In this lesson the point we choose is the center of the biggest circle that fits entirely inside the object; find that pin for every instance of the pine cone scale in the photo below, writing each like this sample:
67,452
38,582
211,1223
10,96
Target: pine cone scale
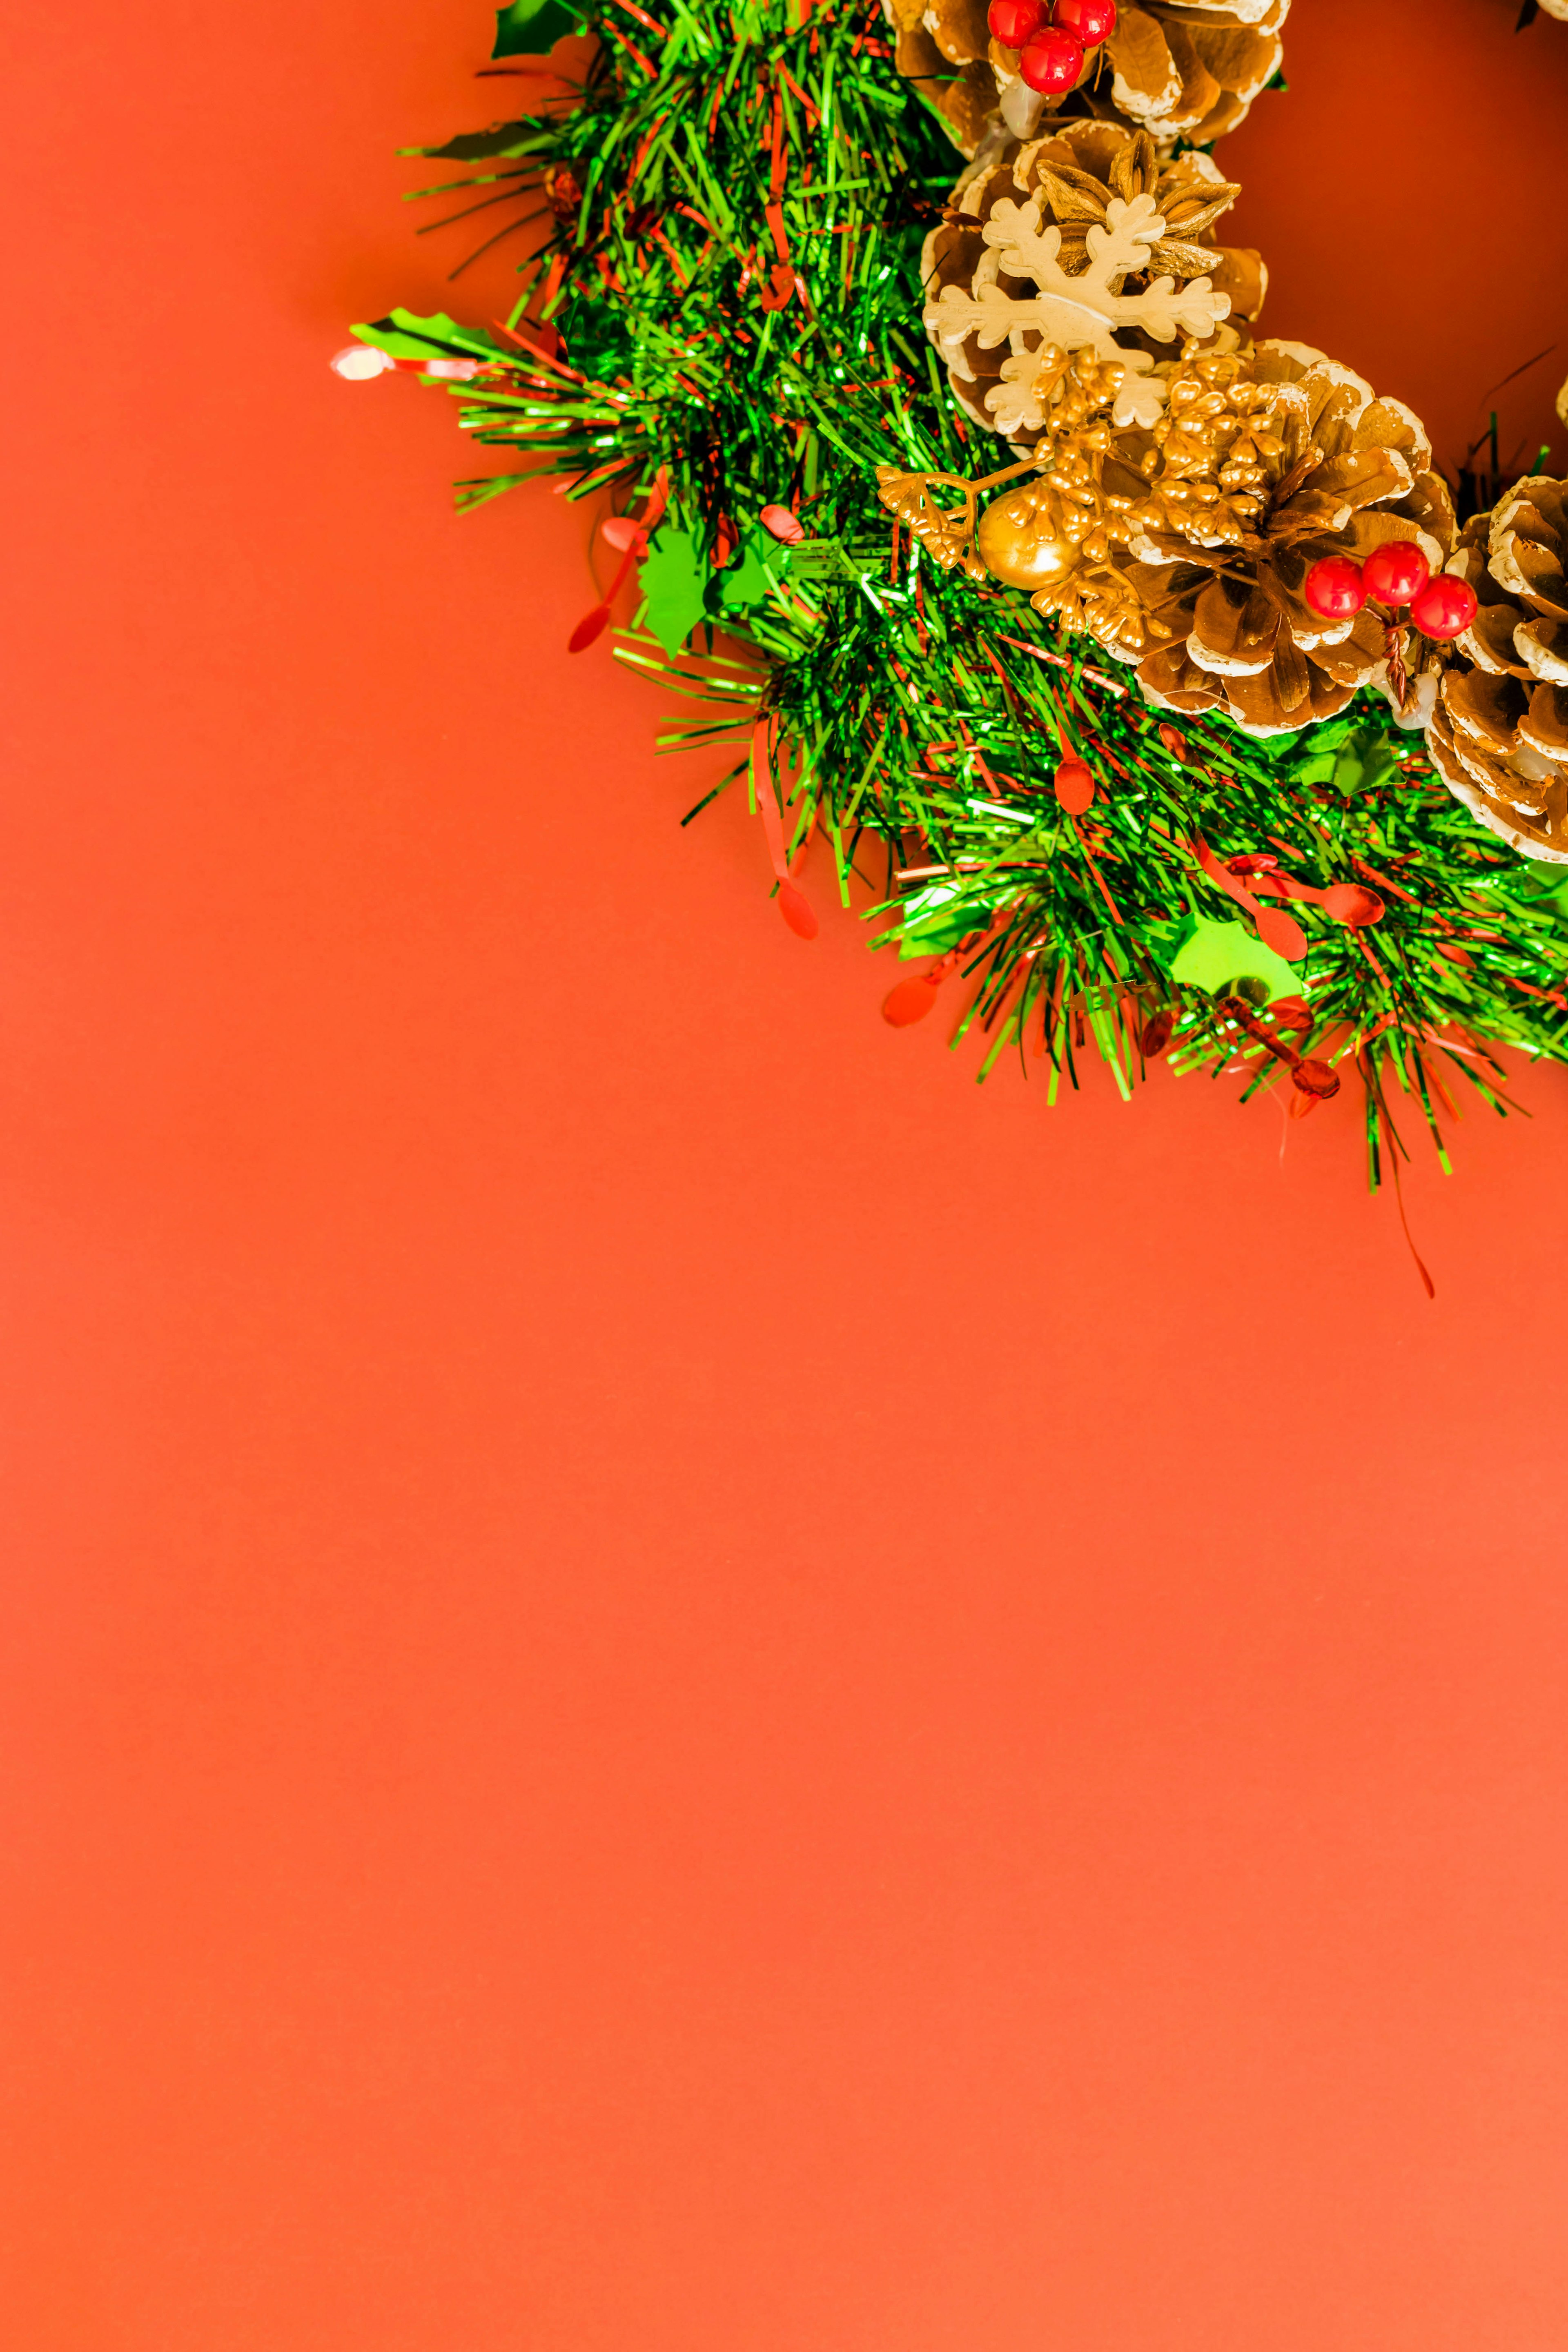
1542,646
1234,634
1545,724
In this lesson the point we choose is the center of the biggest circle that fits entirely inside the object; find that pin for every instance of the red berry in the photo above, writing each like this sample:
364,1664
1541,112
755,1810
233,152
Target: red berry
1335,588
797,911
912,999
1014,22
1075,787
1445,608
1053,60
1352,903
1092,21
1156,1034
1316,1078
783,524
1395,571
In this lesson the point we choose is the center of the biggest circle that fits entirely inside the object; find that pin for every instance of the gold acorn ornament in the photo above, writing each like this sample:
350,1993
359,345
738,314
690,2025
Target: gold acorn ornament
1050,533
1026,539
1067,535
1498,735
1033,538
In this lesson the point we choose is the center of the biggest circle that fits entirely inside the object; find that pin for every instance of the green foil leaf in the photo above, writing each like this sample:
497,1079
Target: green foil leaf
675,583
531,29
1214,956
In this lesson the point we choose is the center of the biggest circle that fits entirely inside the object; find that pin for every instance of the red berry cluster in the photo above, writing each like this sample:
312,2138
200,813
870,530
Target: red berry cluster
1396,574
1052,36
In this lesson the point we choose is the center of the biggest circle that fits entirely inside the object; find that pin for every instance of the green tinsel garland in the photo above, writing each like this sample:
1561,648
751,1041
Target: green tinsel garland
909,708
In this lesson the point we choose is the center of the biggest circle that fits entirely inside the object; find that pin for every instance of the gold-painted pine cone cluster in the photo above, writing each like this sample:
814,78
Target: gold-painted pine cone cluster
1184,546
1175,68
1101,285
1499,733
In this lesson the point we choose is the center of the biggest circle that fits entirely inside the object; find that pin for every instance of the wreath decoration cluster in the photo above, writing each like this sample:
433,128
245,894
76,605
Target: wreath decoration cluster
1228,730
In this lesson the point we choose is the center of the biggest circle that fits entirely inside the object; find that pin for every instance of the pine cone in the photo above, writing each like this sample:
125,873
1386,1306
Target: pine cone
929,42
1205,525
1499,734
1074,174
1184,69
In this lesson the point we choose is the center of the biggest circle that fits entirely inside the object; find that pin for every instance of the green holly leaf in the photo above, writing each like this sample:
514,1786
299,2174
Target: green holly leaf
1365,764
683,588
1320,768
481,146
403,335
531,29
746,581
1214,956
674,583
1541,884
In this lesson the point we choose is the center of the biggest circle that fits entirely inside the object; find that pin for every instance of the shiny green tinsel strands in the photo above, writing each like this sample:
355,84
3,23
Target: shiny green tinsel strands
724,316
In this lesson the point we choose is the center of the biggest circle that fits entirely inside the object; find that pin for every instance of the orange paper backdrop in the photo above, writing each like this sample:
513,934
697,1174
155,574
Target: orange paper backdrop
672,1683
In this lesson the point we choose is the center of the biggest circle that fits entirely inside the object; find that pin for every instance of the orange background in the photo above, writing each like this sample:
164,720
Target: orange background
670,1680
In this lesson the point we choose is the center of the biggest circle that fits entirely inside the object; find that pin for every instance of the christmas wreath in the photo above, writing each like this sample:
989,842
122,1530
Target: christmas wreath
1171,699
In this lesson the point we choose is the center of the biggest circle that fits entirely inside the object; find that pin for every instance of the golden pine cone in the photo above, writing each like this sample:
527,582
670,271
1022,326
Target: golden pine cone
1499,736
1074,174
1209,522
929,42
1183,69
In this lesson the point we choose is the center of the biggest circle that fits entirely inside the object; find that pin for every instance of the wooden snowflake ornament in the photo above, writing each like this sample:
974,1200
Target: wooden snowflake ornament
1075,312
